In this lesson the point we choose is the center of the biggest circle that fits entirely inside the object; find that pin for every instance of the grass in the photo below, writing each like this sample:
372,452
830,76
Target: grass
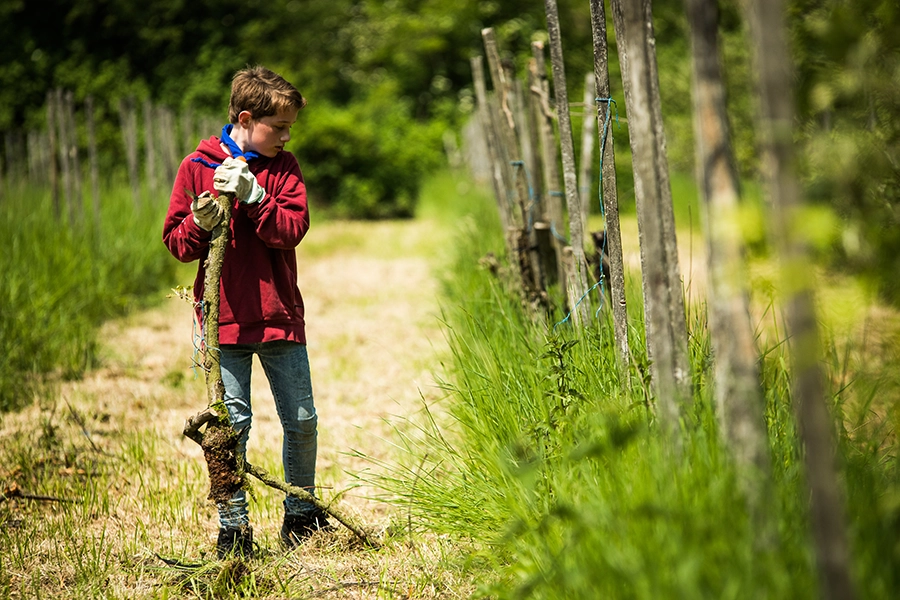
60,281
540,473
124,513
549,463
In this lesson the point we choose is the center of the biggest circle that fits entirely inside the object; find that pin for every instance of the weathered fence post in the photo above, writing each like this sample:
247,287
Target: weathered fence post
54,168
552,190
610,199
188,136
165,127
531,279
773,63
588,128
129,140
92,157
577,288
663,301
62,135
486,116
151,174
740,404
72,135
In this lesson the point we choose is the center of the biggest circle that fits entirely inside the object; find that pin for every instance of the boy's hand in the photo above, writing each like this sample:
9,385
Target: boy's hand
207,212
234,177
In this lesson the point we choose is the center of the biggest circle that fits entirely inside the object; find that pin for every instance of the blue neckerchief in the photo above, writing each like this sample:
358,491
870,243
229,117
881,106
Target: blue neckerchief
232,146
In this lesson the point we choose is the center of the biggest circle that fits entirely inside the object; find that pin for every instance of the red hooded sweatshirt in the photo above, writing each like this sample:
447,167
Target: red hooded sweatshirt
260,300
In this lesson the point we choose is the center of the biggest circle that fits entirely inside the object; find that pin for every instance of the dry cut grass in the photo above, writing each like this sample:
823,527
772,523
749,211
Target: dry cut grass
104,497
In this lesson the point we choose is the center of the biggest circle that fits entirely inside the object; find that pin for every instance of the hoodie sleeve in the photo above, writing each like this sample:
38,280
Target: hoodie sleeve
186,240
281,218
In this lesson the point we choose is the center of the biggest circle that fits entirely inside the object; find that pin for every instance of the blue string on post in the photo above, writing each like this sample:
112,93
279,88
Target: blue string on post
609,103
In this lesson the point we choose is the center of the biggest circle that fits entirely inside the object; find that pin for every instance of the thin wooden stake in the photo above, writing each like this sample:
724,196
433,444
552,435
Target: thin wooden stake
552,196
72,135
486,116
53,151
773,63
151,174
588,131
740,404
613,238
581,310
92,157
128,122
63,131
663,300
530,277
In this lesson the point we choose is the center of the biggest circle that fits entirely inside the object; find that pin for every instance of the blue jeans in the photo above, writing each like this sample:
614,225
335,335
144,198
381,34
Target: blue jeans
286,365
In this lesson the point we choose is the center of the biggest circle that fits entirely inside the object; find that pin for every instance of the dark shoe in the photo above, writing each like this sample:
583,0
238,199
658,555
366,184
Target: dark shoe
235,541
296,528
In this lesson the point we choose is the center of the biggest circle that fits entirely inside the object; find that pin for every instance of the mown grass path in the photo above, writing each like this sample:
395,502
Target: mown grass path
113,442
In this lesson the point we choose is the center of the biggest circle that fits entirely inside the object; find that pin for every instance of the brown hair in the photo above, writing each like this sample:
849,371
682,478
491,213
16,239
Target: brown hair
263,93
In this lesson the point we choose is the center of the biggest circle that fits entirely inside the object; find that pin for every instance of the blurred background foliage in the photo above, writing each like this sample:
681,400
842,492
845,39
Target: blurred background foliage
386,78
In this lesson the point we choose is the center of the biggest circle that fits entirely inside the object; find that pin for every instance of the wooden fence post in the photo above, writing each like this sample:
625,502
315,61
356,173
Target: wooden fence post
531,249
52,142
490,135
129,140
610,200
531,279
151,173
165,127
740,404
579,303
663,301
72,135
533,118
552,190
62,132
188,135
588,128
773,63
92,157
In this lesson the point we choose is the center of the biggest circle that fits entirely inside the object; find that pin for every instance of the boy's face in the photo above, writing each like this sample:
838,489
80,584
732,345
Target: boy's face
268,135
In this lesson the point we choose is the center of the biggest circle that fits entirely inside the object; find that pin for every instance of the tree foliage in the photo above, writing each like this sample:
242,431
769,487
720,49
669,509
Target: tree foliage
385,78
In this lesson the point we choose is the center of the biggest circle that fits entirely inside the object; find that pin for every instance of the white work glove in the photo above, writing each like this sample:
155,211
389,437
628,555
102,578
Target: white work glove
207,212
233,176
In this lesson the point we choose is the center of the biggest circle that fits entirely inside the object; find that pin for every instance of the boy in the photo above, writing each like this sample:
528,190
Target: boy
261,309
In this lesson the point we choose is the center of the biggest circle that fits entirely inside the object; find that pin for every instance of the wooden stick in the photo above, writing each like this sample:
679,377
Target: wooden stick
588,125
304,495
215,389
129,141
608,177
72,151
63,136
92,157
54,166
194,423
581,312
666,328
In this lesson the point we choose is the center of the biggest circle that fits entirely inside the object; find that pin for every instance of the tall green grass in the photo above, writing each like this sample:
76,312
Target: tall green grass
548,462
61,281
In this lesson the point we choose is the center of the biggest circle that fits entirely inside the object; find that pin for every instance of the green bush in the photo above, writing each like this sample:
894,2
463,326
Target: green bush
61,282
367,159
